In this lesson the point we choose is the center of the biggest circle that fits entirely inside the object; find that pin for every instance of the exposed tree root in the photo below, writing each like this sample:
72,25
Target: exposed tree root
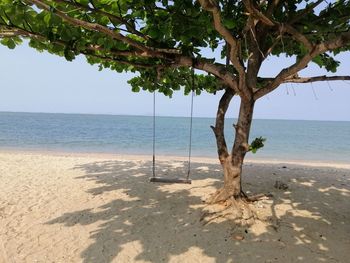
235,209
219,196
257,197
222,205
222,195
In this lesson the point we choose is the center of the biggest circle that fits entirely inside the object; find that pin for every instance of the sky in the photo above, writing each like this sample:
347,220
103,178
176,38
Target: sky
40,82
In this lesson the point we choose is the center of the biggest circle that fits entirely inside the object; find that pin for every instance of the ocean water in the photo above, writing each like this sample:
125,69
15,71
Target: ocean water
286,139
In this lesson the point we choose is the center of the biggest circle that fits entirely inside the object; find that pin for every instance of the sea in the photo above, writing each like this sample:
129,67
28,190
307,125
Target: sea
297,140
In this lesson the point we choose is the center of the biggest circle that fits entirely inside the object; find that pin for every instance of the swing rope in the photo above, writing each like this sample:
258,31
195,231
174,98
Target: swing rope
154,178
191,124
154,135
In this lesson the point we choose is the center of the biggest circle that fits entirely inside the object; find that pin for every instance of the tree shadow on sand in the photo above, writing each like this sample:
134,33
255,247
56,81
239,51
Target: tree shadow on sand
161,222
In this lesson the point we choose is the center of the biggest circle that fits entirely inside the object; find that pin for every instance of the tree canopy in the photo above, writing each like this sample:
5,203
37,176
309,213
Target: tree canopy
162,40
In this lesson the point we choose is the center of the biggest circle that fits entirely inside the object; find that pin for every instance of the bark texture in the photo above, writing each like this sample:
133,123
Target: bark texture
232,163
230,201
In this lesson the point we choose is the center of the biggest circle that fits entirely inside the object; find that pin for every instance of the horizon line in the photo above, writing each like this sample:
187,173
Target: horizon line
150,115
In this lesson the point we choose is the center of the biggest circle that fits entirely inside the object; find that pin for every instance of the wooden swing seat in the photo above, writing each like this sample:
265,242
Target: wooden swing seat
170,180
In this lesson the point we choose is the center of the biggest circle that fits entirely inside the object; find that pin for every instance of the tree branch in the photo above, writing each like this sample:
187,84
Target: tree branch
229,38
87,25
281,26
297,79
21,32
121,61
220,124
256,55
89,50
297,35
216,69
294,33
257,14
274,44
316,78
335,43
105,30
10,32
271,7
305,11
101,12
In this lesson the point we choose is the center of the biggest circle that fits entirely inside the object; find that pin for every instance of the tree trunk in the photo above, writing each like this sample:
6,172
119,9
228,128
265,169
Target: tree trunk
236,206
232,163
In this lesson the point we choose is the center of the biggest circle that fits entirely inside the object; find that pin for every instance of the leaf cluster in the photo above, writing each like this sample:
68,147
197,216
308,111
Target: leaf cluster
318,25
257,144
174,79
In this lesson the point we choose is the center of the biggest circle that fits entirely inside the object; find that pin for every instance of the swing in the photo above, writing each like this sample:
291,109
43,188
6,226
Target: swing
185,180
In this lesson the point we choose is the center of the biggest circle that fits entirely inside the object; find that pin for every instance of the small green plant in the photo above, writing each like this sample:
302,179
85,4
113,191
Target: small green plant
257,144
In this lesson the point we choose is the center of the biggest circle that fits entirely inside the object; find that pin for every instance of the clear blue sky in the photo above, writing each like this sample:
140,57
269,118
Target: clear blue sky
40,82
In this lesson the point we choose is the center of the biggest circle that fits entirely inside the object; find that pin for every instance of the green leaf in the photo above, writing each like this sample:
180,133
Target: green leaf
135,89
154,33
47,19
229,23
10,43
69,54
318,60
83,2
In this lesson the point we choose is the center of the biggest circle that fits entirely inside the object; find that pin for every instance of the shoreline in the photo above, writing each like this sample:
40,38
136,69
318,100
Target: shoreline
162,157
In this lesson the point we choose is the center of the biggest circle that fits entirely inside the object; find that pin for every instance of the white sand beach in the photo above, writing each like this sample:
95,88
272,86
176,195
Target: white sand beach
101,208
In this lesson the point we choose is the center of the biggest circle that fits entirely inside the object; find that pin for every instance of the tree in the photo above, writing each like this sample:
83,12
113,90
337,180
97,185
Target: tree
163,41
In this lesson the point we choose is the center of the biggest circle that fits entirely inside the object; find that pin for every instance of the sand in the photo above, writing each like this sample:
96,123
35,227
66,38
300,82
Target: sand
101,208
